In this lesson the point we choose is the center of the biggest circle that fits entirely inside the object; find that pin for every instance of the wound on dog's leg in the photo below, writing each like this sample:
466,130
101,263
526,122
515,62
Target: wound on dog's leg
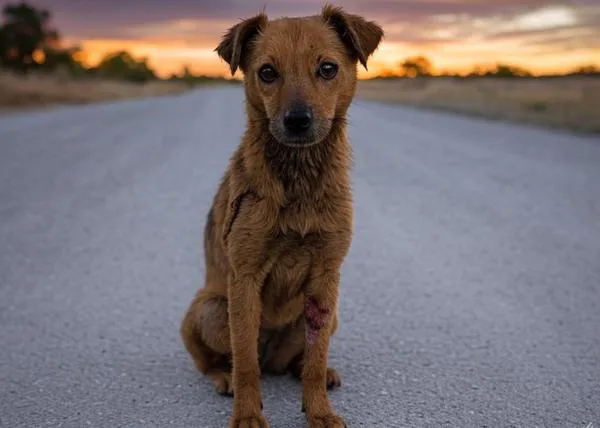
315,317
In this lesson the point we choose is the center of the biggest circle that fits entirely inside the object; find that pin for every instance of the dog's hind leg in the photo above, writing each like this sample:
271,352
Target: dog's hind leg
283,348
205,333
287,356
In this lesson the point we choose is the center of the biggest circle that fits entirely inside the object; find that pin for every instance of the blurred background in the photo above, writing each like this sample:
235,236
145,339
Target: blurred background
471,292
535,61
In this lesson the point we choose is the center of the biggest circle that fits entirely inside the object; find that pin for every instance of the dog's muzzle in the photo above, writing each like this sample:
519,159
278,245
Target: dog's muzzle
297,126
298,120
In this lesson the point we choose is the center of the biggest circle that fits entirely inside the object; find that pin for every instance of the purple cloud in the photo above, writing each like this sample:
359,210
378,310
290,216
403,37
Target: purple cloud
418,22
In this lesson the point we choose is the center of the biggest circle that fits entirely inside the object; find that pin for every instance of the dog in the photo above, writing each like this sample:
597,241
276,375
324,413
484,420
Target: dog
280,225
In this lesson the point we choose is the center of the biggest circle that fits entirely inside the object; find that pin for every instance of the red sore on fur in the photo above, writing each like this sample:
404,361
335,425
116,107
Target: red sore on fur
315,317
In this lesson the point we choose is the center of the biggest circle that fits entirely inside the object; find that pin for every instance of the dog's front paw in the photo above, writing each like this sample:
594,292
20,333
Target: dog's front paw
254,421
326,421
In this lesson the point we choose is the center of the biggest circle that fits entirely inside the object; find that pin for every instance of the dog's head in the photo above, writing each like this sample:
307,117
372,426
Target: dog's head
300,73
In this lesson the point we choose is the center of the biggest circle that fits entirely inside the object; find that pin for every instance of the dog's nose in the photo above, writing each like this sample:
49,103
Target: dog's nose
297,119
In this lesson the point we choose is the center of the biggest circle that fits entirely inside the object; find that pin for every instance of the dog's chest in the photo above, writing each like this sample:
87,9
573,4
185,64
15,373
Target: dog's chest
302,228
305,217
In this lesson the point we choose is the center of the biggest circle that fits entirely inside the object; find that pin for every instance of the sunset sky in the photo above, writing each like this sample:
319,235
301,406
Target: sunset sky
544,36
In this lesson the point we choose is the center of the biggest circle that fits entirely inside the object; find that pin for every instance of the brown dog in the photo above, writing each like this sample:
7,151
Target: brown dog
281,222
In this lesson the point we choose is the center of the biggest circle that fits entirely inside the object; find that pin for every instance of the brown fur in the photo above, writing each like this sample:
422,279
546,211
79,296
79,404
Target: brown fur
281,222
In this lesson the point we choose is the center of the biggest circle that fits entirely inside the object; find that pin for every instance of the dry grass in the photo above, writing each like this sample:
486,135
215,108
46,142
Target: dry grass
17,92
567,102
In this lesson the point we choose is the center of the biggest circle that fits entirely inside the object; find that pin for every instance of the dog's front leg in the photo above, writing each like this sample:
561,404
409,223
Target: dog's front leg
244,324
251,254
320,306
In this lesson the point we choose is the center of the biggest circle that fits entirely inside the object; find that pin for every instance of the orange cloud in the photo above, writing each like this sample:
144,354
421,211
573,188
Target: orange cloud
168,56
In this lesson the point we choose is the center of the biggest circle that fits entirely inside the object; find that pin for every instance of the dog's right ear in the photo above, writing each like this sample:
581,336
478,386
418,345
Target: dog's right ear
235,45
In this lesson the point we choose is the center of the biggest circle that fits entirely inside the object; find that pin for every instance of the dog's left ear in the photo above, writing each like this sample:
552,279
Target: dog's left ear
360,36
236,43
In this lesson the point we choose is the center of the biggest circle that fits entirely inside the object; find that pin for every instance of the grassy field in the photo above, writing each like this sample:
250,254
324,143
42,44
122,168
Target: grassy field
566,102
39,90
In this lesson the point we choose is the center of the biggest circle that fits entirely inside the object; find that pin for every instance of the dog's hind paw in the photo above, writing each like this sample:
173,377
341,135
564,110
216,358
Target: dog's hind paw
223,384
333,379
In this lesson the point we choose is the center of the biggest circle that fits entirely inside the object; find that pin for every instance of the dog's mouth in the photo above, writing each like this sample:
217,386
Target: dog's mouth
307,137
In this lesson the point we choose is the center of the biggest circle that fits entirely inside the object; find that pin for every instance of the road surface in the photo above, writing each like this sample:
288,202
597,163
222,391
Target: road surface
470,298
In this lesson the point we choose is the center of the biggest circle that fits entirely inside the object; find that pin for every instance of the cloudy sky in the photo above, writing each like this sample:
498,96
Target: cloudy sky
455,34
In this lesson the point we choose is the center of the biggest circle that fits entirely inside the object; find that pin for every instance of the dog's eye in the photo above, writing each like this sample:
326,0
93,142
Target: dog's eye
267,74
328,70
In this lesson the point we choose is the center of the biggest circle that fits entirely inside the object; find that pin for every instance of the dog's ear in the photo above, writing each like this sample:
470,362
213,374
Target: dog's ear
360,36
236,43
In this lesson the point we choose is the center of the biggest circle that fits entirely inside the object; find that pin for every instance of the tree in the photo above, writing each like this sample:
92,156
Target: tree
416,66
504,70
586,70
121,65
477,71
67,59
25,31
187,75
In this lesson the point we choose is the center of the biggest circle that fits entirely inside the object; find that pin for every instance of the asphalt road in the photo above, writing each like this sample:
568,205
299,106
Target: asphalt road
470,298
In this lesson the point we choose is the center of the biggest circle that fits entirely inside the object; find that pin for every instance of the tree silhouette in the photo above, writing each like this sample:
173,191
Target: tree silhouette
586,70
416,66
63,58
121,65
25,31
504,70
